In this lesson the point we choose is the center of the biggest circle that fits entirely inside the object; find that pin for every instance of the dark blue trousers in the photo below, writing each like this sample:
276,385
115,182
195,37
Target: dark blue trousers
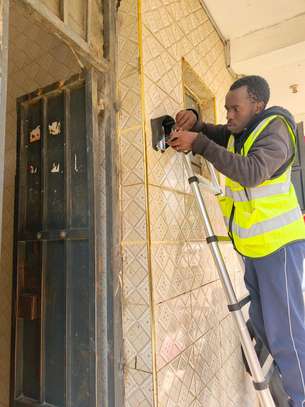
277,312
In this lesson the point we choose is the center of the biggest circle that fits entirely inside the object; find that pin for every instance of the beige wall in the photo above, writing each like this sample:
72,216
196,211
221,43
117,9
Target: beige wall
181,347
36,59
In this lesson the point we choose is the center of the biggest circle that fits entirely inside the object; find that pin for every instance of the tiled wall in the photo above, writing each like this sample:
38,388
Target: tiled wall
36,59
181,347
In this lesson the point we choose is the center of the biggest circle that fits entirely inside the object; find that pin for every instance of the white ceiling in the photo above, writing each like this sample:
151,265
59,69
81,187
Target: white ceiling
267,37
236,18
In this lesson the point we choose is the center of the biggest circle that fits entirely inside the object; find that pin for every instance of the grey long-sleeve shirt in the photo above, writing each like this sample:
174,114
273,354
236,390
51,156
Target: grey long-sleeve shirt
267,158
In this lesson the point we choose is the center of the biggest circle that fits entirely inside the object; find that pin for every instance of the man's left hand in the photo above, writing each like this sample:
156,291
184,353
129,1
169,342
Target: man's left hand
182,140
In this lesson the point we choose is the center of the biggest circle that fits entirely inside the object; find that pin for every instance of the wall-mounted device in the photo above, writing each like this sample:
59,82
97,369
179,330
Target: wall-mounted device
161,129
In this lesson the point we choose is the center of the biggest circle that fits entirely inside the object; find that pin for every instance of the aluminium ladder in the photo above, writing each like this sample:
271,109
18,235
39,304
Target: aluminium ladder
260,382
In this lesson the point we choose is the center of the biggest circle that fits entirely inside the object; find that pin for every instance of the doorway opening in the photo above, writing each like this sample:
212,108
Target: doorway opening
52,326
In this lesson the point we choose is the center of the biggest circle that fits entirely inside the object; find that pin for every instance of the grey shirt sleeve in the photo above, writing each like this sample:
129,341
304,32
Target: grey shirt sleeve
218,133
265,160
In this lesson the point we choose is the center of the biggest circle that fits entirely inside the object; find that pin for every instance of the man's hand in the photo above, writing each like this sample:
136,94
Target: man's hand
186,119
182,140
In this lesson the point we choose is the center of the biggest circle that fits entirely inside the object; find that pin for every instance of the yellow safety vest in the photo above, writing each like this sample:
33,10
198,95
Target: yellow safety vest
262,219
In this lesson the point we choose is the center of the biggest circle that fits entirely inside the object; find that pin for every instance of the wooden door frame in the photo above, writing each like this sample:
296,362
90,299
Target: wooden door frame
4,16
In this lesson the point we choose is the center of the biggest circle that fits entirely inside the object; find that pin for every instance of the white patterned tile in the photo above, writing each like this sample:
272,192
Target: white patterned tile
229,337
137,336
173,328
204,313
133,213
135,274
235,383
206,358
180,267
130,106
138,388
176,382
193,225
132,157
167,213
166,170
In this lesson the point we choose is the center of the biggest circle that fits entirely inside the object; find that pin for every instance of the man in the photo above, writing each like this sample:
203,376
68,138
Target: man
255,151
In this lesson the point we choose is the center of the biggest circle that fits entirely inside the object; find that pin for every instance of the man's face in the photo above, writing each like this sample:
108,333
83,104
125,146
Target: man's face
241,108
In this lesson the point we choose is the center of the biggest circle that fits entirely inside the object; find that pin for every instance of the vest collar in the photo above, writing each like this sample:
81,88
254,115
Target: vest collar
241,138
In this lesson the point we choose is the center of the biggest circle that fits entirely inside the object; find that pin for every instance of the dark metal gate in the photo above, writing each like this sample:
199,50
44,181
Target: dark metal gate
54,309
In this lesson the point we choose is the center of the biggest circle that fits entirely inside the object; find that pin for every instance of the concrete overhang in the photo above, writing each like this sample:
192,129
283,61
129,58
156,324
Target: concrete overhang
266,37
270,47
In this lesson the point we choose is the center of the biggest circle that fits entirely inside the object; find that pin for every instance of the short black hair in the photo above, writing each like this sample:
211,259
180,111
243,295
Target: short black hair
258,88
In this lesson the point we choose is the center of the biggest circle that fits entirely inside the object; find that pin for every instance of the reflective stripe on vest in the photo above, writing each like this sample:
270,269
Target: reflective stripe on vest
269,225
259,192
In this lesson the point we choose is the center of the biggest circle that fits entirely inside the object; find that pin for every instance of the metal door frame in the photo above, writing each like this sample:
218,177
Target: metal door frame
110,381
73,83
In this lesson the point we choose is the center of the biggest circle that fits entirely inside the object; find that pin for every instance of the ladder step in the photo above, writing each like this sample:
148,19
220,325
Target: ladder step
259,386
238,306
215,238
265,384
209,186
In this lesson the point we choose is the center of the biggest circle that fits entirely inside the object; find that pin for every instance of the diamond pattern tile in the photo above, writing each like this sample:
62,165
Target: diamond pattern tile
180,267
137,336
158,102
204,310
176,382
130,113
128,66
235,383
172,275
162,68
183,320
166,169
173,328
181,381
135,274
164,219
132,157
193,225
206,357
134,213
202,264
138,388
229,338
213,210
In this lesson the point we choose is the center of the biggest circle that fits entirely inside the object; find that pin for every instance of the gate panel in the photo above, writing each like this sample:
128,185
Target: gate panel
55,324
55,285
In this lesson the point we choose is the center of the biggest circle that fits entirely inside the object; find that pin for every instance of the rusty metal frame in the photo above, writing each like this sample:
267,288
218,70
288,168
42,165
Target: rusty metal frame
53,89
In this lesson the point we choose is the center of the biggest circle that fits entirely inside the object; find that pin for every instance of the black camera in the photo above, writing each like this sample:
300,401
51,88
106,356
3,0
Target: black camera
161,129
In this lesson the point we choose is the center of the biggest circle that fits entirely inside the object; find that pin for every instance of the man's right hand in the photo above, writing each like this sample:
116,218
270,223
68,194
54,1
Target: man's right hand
186,119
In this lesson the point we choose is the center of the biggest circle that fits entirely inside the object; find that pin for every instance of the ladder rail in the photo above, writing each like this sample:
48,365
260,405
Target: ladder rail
260,384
